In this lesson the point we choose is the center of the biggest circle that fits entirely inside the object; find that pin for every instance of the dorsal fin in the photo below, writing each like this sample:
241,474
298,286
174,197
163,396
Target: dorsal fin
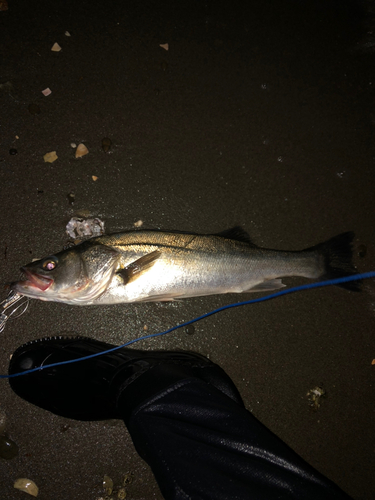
236,233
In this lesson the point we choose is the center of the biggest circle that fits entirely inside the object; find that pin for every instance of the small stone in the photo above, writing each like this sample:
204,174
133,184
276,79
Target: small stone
164,46
13,151
8,448
106,144
84,228
94,178
34,109
108,485
315,396
67,33
190,329
362,251
6,86
139,223
46,92
71,197
73,145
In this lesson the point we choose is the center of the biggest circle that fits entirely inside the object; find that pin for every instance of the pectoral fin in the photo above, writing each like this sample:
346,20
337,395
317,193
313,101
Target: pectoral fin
139,266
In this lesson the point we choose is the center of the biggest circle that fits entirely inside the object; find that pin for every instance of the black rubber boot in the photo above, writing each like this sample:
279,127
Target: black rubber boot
92,389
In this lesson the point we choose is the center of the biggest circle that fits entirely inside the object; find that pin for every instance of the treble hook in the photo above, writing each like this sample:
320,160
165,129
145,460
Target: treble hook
8,307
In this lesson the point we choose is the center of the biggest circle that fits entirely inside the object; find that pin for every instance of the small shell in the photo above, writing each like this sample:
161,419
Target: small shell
27,486
81,150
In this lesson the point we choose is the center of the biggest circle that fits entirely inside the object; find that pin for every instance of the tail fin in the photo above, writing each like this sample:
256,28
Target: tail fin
338,254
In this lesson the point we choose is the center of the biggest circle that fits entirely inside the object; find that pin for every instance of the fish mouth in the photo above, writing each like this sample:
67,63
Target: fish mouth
35,280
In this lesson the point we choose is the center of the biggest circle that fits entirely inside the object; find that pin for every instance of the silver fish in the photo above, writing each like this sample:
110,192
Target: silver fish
143,266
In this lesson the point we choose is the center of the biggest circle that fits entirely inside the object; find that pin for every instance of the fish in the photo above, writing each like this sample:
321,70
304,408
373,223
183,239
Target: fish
153,265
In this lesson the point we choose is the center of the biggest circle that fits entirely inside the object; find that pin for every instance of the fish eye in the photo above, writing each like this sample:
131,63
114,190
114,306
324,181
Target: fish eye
50,264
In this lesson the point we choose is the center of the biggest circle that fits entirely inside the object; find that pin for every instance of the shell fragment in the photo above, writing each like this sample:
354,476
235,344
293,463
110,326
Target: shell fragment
26,485
50,157
81,150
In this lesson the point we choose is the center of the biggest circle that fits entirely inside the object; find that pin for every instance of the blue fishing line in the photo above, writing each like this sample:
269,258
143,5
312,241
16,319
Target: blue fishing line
308,286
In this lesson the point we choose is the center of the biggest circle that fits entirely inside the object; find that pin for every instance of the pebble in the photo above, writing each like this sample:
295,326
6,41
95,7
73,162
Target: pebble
8,448
106,144
362,251
108,485
71,198
190,330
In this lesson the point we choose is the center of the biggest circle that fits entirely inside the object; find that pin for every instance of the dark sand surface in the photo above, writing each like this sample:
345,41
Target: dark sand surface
261,116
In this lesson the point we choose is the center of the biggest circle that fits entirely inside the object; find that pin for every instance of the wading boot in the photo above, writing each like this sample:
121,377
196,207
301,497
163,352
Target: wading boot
105,386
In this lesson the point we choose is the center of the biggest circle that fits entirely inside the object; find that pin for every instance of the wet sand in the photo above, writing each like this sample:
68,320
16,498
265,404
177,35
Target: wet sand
261,117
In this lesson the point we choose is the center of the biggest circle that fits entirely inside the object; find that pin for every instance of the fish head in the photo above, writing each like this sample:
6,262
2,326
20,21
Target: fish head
76,276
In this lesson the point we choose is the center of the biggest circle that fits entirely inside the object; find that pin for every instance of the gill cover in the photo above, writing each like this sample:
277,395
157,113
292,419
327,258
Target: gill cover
79,273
